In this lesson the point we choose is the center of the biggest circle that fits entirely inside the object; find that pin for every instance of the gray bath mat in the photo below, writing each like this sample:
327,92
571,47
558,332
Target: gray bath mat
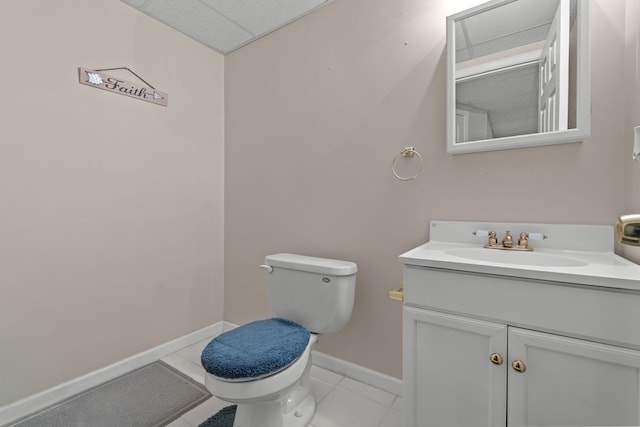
153,395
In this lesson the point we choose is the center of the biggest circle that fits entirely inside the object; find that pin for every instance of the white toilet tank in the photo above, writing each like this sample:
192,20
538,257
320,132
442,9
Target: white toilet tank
317,293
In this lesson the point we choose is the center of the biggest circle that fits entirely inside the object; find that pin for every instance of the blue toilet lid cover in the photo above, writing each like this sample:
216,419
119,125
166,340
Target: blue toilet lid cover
255,349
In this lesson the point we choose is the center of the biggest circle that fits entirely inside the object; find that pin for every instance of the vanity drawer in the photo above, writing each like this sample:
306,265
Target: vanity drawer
600,314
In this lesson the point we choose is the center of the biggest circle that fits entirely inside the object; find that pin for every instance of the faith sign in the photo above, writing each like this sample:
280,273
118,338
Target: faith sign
100,80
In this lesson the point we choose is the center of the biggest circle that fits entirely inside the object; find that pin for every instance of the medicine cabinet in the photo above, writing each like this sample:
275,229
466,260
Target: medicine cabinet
518,75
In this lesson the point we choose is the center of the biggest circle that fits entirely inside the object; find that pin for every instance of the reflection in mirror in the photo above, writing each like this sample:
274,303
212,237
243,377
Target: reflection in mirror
518,75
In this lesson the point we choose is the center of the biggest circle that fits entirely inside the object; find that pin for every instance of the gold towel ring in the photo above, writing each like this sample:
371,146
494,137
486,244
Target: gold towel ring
407,152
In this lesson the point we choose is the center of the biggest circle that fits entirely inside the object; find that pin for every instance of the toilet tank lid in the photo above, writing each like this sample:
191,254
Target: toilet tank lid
331,267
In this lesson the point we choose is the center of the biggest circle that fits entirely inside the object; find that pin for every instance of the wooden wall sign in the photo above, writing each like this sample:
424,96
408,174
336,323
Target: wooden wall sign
100,80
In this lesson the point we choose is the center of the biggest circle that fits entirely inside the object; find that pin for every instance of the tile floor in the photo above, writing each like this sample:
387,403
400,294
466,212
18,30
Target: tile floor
342,401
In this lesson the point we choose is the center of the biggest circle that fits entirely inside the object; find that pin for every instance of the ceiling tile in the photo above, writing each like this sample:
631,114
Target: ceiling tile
263,16
226,25
135,3
198,21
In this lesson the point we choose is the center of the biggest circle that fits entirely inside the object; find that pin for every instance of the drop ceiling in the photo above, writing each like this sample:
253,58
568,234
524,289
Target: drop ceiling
513,24
226,25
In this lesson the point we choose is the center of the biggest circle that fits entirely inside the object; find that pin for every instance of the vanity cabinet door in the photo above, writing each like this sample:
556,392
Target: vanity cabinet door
449,377
570,382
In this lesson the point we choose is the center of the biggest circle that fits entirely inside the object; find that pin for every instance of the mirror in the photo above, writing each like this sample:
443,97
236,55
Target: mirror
518,75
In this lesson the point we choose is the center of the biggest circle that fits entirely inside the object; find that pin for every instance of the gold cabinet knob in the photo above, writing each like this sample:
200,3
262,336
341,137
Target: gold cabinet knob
496,358
519,366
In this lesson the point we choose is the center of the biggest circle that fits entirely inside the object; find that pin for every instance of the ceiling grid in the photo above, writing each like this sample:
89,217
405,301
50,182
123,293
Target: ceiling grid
226,25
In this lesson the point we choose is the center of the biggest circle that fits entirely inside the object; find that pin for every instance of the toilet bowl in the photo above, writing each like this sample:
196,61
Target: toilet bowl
264,366
280,400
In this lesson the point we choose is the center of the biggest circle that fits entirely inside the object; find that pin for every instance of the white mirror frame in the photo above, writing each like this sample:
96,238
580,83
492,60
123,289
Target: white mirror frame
583,90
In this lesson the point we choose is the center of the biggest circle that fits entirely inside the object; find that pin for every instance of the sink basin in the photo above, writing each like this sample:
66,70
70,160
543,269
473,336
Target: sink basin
515,257
577,254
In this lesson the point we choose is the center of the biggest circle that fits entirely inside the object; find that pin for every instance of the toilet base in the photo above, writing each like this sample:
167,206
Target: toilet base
294,406
281,400
270,414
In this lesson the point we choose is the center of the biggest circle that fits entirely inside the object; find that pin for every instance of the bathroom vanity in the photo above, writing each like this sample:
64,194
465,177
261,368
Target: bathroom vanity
549,337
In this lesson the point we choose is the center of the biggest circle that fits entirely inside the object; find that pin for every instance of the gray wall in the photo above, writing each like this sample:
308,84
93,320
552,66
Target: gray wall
316,112
111,209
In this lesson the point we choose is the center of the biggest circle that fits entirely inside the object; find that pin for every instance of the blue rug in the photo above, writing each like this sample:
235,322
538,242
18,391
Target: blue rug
222,418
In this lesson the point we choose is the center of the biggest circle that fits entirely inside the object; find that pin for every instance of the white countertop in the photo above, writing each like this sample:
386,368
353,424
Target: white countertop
592,267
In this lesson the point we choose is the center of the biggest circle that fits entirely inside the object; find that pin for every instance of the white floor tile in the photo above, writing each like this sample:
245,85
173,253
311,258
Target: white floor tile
368,391
187,367
194,351
326,375
179,423
344,408
393,419
320,389
398,404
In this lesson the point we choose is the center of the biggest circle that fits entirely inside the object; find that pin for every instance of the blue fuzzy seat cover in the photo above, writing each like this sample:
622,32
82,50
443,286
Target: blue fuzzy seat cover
255,349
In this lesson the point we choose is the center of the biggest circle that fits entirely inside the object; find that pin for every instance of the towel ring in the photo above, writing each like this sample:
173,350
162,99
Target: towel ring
407,152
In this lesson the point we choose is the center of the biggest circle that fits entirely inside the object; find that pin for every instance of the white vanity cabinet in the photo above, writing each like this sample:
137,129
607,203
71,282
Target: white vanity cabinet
555,342
570,382
460,372
448,378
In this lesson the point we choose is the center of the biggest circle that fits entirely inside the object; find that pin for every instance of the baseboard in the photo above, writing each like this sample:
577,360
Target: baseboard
357,372
227,326
44,399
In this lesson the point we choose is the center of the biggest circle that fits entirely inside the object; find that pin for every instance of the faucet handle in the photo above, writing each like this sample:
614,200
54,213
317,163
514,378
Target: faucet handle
523,240
493,238
491,235
481,233
538,236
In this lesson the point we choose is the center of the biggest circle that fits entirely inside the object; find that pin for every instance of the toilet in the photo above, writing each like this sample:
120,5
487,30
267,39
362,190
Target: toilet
263,367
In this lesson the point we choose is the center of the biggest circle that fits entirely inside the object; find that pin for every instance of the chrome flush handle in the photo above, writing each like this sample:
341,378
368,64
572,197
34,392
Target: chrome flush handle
268,268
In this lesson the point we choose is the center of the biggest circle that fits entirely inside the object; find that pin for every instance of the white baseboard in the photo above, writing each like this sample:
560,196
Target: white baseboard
360,373
227,326
44,399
